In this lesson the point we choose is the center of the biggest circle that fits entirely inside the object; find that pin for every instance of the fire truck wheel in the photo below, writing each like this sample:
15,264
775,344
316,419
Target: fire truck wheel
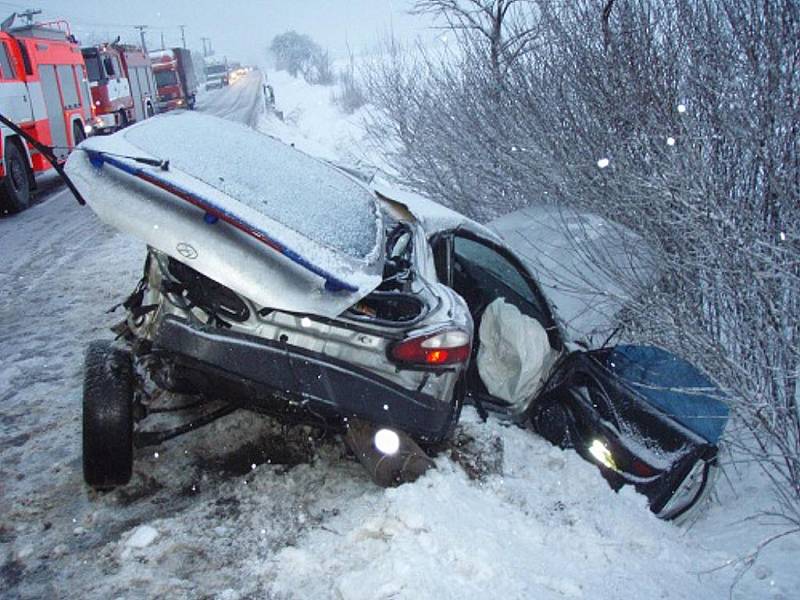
123,119
78,133
15,187
108,387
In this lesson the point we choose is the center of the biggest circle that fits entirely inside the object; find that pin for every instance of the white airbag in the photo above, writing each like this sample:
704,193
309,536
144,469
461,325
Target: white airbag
514,352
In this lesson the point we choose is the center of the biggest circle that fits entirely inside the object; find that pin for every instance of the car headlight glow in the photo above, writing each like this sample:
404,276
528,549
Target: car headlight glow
602,454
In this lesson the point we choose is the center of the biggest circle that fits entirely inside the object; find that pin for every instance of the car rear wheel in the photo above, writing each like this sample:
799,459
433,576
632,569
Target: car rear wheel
108,387
15,188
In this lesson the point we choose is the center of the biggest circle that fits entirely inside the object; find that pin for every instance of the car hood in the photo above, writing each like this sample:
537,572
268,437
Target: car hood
273,224
587,266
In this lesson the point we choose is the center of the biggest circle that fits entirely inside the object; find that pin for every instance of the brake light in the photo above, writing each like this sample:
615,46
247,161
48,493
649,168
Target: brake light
441,348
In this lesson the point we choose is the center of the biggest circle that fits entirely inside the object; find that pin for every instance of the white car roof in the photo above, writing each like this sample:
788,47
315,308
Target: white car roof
587,266
433,216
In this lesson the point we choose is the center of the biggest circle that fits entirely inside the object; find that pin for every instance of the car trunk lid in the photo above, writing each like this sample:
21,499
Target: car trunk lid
269,222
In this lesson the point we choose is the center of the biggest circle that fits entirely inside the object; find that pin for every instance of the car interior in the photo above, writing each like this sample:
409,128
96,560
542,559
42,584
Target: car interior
481,273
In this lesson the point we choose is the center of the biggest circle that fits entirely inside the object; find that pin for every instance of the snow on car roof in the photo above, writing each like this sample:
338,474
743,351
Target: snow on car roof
587,266
434,217
268,176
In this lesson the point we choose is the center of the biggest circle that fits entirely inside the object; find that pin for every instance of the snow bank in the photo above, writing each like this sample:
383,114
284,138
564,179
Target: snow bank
312,122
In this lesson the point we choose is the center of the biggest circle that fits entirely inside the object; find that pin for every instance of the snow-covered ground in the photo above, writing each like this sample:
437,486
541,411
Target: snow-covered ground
243,509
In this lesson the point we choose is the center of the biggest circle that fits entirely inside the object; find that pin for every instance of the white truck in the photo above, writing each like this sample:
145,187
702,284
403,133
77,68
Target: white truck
216,73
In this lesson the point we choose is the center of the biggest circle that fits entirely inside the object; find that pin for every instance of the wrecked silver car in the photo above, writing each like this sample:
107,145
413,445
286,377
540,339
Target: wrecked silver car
277,283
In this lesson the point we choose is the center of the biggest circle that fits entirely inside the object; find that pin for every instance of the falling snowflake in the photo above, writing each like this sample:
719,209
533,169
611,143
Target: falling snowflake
253,466
783,236
670,141
603,163
681,108
155,454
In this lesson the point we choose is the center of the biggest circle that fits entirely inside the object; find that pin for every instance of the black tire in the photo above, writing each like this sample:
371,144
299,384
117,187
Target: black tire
15,187
108,384
78,133
123,119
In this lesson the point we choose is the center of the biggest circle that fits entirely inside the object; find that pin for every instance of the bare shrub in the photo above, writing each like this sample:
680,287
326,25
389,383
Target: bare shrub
350,95
318,69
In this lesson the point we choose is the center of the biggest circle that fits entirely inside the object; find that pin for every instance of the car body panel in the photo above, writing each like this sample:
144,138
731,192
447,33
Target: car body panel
231,239
434,217
321,389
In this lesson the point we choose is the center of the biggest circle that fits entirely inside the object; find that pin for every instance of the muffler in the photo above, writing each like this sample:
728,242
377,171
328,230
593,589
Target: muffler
390,456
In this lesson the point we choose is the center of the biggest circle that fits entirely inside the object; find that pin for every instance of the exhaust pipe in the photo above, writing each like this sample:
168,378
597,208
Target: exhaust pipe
390,457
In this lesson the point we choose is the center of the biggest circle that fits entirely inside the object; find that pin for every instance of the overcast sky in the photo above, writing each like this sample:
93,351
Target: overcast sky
240,29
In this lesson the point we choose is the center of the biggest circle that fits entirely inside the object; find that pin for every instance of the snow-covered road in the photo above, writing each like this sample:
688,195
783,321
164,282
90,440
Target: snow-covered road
243,509
241,101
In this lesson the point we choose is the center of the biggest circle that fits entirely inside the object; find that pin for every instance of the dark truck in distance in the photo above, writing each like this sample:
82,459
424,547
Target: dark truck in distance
175,78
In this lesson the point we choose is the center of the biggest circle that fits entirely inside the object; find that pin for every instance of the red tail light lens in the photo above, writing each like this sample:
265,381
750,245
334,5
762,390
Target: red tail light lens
442,348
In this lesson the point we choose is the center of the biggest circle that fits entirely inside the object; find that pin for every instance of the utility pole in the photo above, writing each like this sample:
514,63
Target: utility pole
162,41
183,34
29,14
141,29
207,51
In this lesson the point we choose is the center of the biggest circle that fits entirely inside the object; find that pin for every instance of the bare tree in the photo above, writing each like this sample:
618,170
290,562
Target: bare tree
505,26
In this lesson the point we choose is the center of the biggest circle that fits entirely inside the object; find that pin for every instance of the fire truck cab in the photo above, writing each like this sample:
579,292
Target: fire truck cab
111,91
44,91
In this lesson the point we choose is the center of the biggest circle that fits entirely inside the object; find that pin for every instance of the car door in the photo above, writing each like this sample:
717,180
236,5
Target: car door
481,271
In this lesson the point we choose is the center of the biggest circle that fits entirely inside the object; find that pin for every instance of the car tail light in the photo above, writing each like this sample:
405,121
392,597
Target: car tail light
441,348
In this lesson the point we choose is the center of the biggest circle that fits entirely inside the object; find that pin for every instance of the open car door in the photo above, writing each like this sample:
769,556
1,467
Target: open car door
644,416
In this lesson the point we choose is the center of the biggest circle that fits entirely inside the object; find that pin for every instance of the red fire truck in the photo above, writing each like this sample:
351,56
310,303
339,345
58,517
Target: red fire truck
175,77
122,84
139,71
44,91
